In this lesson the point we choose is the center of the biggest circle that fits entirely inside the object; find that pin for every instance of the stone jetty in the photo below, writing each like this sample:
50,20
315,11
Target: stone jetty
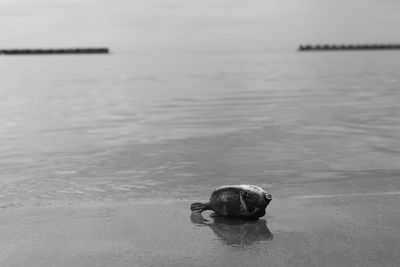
353,47
100,50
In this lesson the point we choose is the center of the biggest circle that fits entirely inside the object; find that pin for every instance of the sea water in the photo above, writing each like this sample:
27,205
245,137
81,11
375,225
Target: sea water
128,126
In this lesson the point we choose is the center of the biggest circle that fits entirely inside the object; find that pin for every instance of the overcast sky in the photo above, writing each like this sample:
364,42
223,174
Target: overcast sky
211,25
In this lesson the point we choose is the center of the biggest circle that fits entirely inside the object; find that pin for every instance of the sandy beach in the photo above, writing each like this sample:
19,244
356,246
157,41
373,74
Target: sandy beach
330,230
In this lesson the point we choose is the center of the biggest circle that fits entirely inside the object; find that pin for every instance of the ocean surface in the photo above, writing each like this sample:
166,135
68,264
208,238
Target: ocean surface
132,126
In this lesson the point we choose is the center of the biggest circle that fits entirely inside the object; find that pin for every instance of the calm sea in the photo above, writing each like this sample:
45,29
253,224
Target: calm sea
127,126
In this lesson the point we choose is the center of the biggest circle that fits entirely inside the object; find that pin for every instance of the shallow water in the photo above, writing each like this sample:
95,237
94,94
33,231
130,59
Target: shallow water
128,126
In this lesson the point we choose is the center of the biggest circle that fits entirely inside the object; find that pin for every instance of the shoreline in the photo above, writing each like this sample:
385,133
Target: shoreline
332,231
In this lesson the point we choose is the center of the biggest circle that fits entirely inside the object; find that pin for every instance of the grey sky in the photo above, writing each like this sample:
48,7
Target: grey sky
196,24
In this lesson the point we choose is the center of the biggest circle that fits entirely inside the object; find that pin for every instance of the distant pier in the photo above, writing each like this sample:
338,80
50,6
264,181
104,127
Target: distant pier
101,50
354,47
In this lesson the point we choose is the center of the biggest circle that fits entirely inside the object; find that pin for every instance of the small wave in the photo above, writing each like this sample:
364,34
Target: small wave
393,193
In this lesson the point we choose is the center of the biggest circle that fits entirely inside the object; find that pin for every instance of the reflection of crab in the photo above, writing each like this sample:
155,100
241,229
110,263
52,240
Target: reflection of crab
236,201
235,231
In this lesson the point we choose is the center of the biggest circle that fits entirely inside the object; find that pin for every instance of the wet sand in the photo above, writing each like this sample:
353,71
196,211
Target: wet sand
345,230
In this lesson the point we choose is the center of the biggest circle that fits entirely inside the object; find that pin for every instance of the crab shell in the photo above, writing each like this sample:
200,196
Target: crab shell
240,201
